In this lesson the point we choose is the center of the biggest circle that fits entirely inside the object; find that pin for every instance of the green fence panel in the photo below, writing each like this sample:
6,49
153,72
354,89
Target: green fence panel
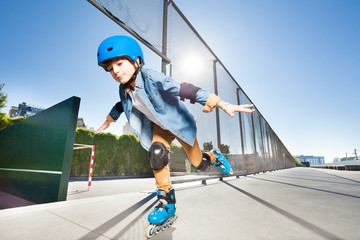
35,154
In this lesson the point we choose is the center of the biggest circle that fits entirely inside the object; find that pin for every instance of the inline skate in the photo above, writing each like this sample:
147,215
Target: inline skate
163,216
222,162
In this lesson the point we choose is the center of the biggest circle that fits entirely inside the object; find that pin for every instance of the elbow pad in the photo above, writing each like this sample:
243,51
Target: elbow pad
188,91
119,107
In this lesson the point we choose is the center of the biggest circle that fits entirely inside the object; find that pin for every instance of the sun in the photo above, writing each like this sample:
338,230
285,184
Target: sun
191,64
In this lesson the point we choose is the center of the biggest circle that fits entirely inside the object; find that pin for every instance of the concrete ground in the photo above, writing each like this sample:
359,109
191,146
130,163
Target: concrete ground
298,203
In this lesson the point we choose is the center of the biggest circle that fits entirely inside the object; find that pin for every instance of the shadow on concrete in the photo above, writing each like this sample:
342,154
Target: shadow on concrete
120,234
334,175
115,220
311,188
11,201
319,231
76,192
312,179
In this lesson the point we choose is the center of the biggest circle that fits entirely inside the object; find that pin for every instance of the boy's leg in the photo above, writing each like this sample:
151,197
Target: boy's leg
161,139
201,161
163,215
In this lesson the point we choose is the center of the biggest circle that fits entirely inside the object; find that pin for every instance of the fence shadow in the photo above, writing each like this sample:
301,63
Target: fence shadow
319,231
311,188
117,219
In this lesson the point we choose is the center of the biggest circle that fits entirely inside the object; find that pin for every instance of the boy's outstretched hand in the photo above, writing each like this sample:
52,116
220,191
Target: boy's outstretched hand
246,108
103,127
230,109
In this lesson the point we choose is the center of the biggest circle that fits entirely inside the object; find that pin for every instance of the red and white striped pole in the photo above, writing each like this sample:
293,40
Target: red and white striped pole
91,166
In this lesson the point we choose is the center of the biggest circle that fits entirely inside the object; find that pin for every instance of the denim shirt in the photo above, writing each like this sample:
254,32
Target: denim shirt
161,95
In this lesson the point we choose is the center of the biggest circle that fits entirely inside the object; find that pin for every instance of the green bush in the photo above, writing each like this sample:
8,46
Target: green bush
298,163
81,157
114,156
6,122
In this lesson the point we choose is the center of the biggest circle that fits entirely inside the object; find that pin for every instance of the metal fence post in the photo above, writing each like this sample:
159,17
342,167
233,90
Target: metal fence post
262,141
240,123
164,62
254,138
217,109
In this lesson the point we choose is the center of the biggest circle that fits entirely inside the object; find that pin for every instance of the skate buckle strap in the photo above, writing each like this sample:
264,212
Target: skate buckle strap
162,205
168,197
165,199
217,163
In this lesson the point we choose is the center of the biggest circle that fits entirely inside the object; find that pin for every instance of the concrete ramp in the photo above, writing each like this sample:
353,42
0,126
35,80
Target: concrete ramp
298,203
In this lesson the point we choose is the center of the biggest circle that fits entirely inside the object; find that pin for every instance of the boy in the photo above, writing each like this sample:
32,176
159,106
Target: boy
151,103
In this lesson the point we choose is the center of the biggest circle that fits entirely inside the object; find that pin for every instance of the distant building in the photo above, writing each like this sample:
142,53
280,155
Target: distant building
311,160
24,110
13,110
80,123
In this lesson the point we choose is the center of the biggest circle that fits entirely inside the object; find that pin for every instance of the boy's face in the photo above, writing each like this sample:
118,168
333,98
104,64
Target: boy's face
121,70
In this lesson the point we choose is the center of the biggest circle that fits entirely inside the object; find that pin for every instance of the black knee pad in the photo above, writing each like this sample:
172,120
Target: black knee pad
158,155
205,163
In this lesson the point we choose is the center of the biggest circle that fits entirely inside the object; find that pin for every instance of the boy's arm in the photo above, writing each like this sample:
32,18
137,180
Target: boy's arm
182,90
111,117
196,94
215,101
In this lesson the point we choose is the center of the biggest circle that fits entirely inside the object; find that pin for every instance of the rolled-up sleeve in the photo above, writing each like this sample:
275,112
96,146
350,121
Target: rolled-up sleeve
211,102
115,112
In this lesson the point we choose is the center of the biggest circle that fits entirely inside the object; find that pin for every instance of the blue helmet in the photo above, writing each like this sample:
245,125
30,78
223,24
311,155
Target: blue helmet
117,46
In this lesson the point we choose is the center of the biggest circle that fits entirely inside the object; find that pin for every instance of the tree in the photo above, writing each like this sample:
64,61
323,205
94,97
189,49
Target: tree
3,97
4,121
207,146
224,149
298,163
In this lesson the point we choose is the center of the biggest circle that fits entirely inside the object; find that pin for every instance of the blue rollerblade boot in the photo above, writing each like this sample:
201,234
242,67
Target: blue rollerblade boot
222,162
163,216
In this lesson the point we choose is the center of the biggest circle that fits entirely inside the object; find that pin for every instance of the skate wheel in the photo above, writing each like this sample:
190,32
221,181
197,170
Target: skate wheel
150,231
164,228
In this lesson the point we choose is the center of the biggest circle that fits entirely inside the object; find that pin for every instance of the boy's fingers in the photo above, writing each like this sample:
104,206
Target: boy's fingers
245,109
103,127
248,108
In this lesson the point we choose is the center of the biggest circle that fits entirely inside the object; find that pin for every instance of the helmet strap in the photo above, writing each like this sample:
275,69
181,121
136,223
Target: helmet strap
134,76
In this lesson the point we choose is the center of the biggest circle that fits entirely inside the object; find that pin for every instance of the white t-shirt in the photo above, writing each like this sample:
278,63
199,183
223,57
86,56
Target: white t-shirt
140,105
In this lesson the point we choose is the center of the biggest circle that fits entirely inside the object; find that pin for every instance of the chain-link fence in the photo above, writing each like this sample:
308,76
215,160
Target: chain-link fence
248,141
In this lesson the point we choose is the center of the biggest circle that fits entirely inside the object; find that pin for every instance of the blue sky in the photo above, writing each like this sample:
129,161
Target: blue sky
298,61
